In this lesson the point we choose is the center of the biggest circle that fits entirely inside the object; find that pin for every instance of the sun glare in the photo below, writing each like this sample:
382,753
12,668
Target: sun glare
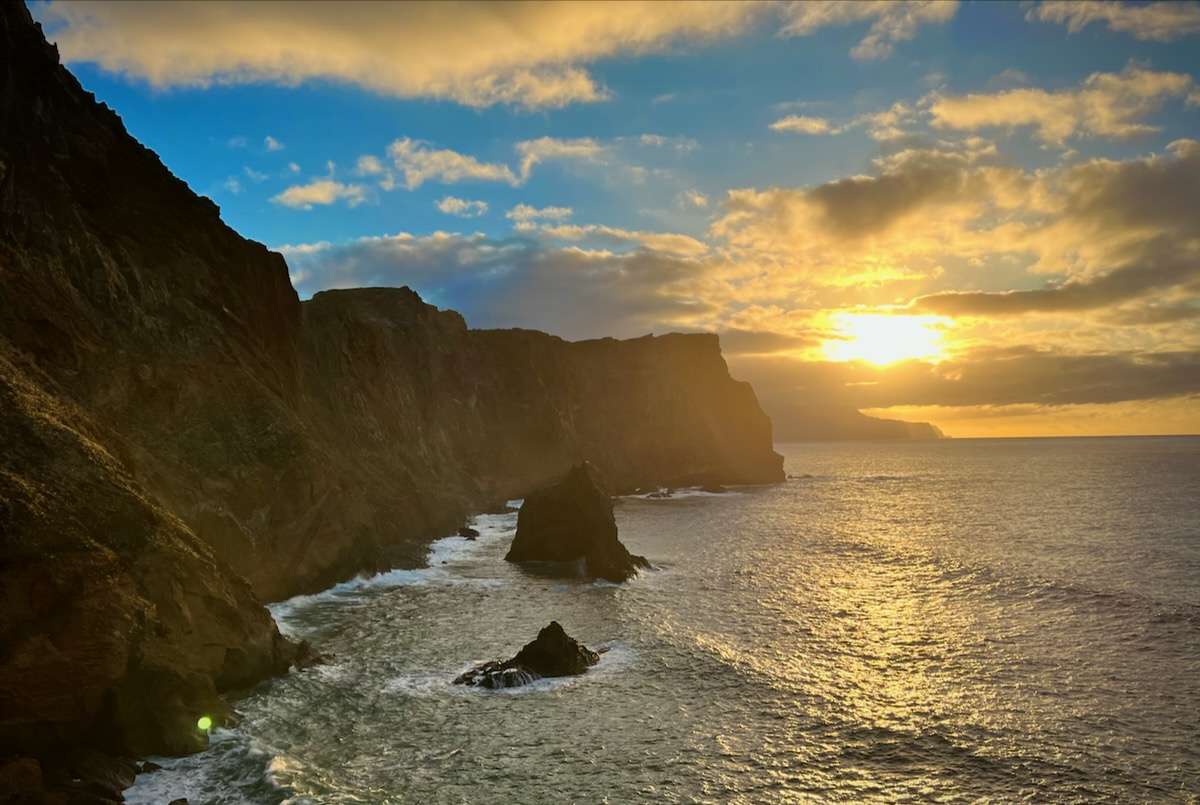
882,339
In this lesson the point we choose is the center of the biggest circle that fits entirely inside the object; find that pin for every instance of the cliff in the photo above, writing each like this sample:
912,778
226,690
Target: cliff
798,422
183,438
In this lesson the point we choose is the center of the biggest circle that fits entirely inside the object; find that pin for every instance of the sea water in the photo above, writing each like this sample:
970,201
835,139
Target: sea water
989,620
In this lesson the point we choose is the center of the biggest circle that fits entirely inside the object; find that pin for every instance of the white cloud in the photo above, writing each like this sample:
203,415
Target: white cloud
419,164
321,192
1159,22
802,124
526,54
253,175
891,21
462,208
293,167
232,185
681,144
692,198
544,149
271,144
523,213
661,242
236,142
1106,105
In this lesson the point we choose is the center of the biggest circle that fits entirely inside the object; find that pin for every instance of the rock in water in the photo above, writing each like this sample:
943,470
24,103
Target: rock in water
573,520
554,653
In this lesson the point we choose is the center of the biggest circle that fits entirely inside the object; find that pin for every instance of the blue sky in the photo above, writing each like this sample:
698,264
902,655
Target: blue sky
652,124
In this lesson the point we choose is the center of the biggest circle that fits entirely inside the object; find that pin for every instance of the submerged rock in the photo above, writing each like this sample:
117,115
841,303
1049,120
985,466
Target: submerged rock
553,653
570,521
466,532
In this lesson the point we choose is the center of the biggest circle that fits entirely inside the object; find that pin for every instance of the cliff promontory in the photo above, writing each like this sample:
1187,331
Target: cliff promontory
183,438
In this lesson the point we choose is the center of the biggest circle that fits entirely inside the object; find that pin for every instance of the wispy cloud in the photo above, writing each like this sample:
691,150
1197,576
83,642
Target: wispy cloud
1159,22
1111,105
891,22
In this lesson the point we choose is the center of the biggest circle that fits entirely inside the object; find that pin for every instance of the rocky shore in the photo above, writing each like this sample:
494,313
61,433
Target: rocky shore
183,438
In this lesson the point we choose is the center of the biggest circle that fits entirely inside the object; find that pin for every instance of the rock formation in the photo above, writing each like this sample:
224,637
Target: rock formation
554,653
182,437
572,520
801,422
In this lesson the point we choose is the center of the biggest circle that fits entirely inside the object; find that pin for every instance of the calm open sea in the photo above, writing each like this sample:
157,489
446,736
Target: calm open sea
988,620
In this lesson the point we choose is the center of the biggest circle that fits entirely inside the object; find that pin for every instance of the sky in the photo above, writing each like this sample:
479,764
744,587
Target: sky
982,215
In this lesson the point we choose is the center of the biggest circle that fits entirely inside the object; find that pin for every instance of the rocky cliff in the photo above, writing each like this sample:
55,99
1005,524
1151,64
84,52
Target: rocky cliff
798,422
182,437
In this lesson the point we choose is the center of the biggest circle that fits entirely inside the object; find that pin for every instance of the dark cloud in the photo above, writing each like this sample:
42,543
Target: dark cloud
1139,217
760,342
1161,271
1004,376
577,293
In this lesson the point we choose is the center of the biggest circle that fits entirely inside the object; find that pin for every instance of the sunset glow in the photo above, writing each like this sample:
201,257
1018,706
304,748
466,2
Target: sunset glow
883,339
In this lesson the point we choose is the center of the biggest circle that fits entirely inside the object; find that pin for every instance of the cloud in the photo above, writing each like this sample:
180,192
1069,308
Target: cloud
692,199
1158,22
519,282
321,192
253,175
524,54
462,208
908,188
232,185
271,144
544,149
994,376
891,22
736,341
660,242
293,167
420,163
802,124
1106,105
1125,228
882,125
525,214
680,144
236,142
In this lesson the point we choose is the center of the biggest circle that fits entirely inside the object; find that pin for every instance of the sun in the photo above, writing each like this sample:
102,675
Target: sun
882,339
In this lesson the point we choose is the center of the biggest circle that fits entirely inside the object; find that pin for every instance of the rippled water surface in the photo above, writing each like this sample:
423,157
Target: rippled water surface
960,620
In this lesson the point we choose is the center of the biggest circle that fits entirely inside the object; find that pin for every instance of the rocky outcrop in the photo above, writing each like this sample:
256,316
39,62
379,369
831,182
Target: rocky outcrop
553,653
572,521
182,437
798,422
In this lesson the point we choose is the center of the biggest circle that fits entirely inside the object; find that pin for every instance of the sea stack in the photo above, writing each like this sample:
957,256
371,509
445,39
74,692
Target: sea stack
553,653
572,520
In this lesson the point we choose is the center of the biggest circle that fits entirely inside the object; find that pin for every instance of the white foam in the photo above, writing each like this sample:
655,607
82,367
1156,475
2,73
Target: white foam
615,658
683,492
443,555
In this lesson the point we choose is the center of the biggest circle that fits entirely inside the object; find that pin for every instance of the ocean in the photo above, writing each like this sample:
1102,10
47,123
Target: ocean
963,620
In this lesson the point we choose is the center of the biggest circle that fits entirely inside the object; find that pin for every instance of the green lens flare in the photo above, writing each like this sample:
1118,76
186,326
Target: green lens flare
204,724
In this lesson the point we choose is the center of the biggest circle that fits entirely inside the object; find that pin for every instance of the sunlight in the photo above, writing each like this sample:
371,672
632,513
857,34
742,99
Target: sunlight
882,339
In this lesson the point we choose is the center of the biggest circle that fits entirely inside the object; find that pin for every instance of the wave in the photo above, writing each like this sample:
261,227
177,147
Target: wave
663,493
443,555
615,657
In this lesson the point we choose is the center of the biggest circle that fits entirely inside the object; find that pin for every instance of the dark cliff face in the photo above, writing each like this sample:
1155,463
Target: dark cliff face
176,421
